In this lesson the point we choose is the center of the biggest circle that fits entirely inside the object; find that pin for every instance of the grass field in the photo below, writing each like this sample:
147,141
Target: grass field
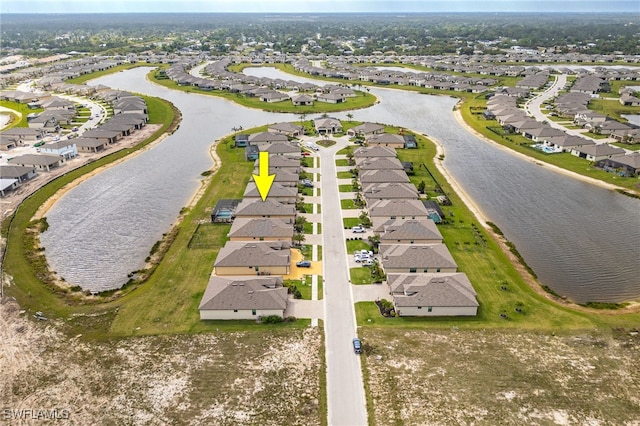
22,109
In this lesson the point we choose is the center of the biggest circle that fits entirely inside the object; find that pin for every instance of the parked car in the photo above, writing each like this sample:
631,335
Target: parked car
304,264
306,153
357,229
357,346
307,183
367,262
364,253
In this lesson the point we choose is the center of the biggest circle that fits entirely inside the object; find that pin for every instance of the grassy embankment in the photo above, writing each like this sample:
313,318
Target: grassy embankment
19,119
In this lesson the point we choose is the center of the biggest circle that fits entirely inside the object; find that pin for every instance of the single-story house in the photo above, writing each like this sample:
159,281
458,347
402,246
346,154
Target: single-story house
416,258
7,185
286,149
382,176
284,177
281,162
379,163
596,152
382,210
253,258
90,145
267,138
389,191
39,161
19,173
273,96
386,139
622,164
22,134
108,136
327,125
243,297
302,100
374,151
278,192
433,295
331,97
261,229
288,129
366,129
409,231
256,208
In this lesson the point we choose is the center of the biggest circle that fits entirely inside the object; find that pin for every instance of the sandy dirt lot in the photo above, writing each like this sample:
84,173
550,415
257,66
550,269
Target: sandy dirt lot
492,377
220,378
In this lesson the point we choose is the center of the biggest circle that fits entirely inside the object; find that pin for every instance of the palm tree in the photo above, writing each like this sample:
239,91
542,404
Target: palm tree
299,223
298,238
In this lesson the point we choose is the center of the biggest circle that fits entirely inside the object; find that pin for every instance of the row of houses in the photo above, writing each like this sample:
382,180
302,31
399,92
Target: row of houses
132,115
247,277
504,109
422,275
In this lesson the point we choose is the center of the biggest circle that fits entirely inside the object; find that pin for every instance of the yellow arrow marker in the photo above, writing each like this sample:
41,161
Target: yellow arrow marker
264,180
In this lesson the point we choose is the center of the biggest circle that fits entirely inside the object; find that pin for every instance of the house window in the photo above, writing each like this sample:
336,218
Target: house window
393,217
438,270
253,312
429,309
419,307
412,270
425,270
261,238
235,310
410,242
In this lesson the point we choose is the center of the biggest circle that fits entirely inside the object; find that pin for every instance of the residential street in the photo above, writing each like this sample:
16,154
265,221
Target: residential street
345,391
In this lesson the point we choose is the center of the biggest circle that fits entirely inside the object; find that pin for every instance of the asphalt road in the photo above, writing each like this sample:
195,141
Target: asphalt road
345,391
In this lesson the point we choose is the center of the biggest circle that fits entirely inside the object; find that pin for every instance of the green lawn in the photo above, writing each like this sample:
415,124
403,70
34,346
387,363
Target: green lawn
341,162
353,245
344,175
361,275
345,188
22,109
348,204
350,222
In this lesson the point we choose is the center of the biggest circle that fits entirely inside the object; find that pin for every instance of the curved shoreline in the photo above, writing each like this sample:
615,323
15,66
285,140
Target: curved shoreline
458,116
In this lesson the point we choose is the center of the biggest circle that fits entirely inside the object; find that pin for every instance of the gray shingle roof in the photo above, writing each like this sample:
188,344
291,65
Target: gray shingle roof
443,290
269,207
398,207
389,190
379,163
399,229
416,256
244,292
240,253
374,151
260,227
381,176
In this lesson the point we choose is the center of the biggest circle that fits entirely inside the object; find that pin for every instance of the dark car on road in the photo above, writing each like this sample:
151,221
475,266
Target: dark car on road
357,346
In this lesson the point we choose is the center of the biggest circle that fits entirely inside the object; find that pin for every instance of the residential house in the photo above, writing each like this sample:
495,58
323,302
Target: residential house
416,258
283,194
39,161
626,165
596,152
388,191
243,297
288,129
331,97
448,294
261,229
65,148
386,139
327,125
566,143
263,138
284,177
383,210
90,145
627,99
374,151
281,162
382,176
409,231
378,163
302,100
286,149
253,258
273,96
19,173
366,129
270,208
21,135
107,136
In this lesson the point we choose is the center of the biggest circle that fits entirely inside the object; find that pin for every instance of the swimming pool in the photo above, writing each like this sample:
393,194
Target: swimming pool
544,148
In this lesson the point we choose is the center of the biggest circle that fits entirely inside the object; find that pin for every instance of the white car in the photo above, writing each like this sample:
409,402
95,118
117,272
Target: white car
367,262
357,229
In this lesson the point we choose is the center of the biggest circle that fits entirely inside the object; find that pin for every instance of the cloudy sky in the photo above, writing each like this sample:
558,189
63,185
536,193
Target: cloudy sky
316,6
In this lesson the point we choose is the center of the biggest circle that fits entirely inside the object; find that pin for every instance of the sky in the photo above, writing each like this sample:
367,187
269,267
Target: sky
315,6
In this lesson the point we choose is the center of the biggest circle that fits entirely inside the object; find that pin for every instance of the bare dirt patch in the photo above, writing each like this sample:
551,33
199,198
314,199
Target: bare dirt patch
494,377
249,377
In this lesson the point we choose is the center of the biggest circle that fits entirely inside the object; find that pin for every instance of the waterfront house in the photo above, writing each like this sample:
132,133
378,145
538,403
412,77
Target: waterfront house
409,231
261,229
253,258
416,258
